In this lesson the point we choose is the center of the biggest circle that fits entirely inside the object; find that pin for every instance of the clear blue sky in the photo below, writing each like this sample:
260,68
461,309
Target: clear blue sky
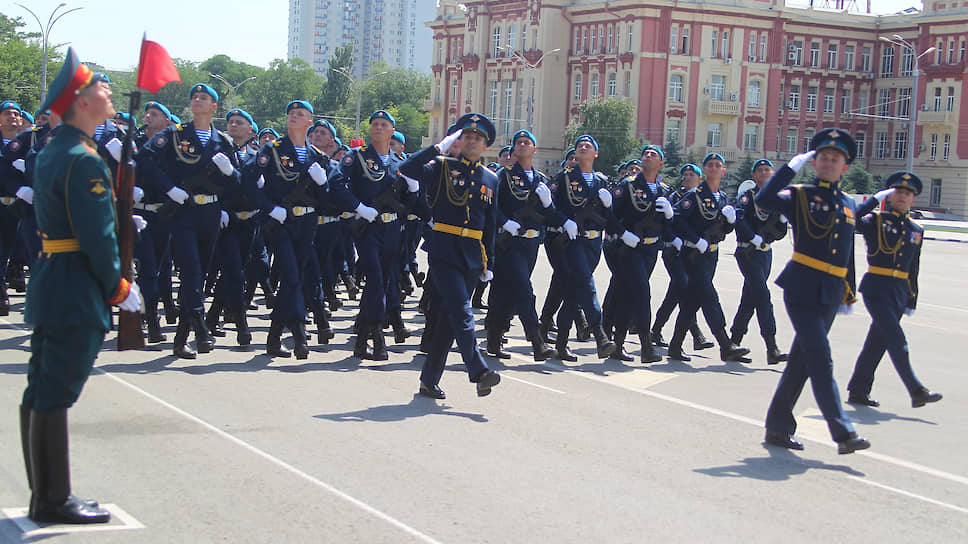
108,32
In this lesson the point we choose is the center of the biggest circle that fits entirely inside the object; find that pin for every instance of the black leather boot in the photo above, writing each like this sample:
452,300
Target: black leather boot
400,331
582,331
181,348
352,290
242,334
418,277
300,348
51,500
406,285
494,343
544,330
736,338
773,354
699,340
213,320
204,341
729,351
620,352
274,347
647,352
561,345
268,292
359,348
542,351
605,346
656,338
323,331
4,301
332,300
154,325
171,311
675,347
477,301
379,344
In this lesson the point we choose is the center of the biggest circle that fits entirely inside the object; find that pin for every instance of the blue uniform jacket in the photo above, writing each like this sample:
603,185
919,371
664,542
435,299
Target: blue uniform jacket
175,155
513,191
750,218
696,212
280,167
633,200
823,219
572,193
362,176
893,244
12,179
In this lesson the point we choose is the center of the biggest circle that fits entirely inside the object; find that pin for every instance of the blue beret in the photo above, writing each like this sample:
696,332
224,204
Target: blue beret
9,105
203,88
382,114
269,130
505,149
905,180
398,136
655,148
452,129
712,156
27,116
302,104
568,154
175,119
689,167
586,138
40,112
523,134
338,141
633,162
243,114
344,147
158,106
125,117
837,139
493,165
759,163
475,122
622,165
323,123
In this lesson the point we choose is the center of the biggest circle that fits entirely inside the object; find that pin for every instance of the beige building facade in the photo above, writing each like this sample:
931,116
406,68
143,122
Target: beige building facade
736,77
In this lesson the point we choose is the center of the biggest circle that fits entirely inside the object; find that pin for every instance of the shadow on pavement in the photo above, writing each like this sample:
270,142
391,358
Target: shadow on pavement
420,406
871,416
781,465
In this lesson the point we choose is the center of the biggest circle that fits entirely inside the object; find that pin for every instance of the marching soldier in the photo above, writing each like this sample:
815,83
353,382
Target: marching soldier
13,186
460,248
756,229
890,288
553,297
817,283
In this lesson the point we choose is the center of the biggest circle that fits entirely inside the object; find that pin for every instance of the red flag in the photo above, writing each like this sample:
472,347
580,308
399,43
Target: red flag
155,68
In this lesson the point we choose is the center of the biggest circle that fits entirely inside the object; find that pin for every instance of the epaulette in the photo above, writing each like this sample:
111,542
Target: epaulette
316,149
602,177
568,169
179,127
275,143
362,148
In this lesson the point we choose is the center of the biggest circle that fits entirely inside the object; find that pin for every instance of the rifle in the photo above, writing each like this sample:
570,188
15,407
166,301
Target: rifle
200,183
714,234
386,199
649,223
130,335
587,215
525,215
298,196
772,230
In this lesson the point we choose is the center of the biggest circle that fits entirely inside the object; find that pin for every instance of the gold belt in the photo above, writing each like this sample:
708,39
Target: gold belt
592,234
325,219
246,214
529,234
299,211
347,215
822,266
764,247
147,207
204,199
67,245
387,217
7,200
889,272
412,217
649,241
459,231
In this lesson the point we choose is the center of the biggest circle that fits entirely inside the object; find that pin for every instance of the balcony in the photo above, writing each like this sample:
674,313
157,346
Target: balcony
431,105
714,107
935,117
728,153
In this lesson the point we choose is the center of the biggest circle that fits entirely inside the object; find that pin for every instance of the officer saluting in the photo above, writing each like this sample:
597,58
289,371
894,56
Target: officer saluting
460,248
890,287
816,283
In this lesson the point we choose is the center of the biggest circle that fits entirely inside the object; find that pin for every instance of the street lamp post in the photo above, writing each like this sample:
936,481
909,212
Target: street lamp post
233,89
45,35
359,93
913,117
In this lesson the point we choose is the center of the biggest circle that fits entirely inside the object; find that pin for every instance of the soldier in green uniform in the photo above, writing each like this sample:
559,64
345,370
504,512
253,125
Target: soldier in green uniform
73,284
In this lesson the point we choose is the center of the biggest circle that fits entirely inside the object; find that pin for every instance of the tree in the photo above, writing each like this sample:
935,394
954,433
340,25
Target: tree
232,71
336,92
175,96
20,58
858,180
285,80
398,86
609,122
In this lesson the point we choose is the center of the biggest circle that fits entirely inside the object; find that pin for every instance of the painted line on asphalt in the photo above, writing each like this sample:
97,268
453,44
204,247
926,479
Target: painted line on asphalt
278,462
504,375
942,307
909,494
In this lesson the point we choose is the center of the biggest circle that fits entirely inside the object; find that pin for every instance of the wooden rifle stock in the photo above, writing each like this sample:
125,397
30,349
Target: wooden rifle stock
130,335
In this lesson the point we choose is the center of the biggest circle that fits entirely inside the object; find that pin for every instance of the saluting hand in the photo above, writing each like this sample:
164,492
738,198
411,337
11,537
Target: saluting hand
797,162
448,141
883,194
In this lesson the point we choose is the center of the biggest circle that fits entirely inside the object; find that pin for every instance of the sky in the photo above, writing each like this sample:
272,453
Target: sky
108,32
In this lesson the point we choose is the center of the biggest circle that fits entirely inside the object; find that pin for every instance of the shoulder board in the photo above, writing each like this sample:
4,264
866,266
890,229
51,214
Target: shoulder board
567,170
36,129
601,176
316,149
275,143
179,127
362,148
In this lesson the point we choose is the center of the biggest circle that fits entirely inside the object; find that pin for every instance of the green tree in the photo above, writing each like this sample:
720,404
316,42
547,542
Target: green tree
20,58
285,80
337,92
858,180
609,122
234,72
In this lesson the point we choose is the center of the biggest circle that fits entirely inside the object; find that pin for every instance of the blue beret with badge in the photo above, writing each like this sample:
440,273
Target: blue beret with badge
586,138
383,114
633,162
175,119
655,148
203,88
505,149
158,106
10,105
398,136
475,122
713,156
689,167
269,130
904,180
760,163
299,104
836,139
493,165
568,154
27,116
243,114
523,134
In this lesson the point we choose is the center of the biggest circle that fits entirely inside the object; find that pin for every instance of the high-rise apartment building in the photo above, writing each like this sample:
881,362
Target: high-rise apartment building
380,30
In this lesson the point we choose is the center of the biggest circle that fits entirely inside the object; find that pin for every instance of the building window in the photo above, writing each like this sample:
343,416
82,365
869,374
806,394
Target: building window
815,54
594,88
675,88
611,85
900,145
584,40
849,58
577,42
524,37
751,137
492,103
763,47
883,147
594,48
807,138
601,39
935,192
611,39
512,36
576,97
791,140
673,40
884,102
628,84
454,84
904,103
951,51
753,94
946,149
724,47
715,44
961,51
470,90
861,140
887,62
811,99
718,89
950,106
751,51
832,56
508,101
865,59
933,150
714,135
862,102
794,102
440,52
631,35
845,100
828,100
496,41
672,130
937,99
798,53
939,52
685,41
907,62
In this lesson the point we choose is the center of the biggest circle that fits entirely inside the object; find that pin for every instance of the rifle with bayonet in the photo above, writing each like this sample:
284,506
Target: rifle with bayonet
130,335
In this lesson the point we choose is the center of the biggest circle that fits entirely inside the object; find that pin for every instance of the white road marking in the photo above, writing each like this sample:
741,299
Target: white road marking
939,306
31,530
504,375
909,494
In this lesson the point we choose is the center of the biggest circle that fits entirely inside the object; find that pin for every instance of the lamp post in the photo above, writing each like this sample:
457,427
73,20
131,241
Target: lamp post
232,88
913,117
530,66
45,35
359,92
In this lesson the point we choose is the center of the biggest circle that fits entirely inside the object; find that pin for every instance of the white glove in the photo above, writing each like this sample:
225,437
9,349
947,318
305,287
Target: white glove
224,220
757,240
511,227
318,174
677,243
114,146
139,222
132,302
702,245
544,194
26,194
909,311
845,309
224,163
487,276
881,195
783,218
663,205
366,212
448,141
177,194
279,214
261,182
571,229
606,197
412,185
138,193
797,162
630,239
20,165
729,213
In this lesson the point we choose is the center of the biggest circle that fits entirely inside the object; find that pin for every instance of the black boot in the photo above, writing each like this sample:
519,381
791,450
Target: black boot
605,346
647,353
332,300
418,277
154,325
250,294
300,349
477,302
181,348
15,276
729,351
773,354
675,347
324,333
213,320
406,285
544,330
51,500
736,338
400,331
171,311
4,301
379,344
25,446
351,288
204,342
582,331
242,334
494,343
699,340
620,352
561,345
268,292
542,351
656,338
359,348
274,347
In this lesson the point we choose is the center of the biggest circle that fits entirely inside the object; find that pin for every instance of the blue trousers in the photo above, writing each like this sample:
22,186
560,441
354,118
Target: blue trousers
233,248
328,244
700,294
885,334
576,263
60,362
291,245
756,294
455,322
8,239
511,291
379,250
678,283
553,298
809,358
633,297
194,230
